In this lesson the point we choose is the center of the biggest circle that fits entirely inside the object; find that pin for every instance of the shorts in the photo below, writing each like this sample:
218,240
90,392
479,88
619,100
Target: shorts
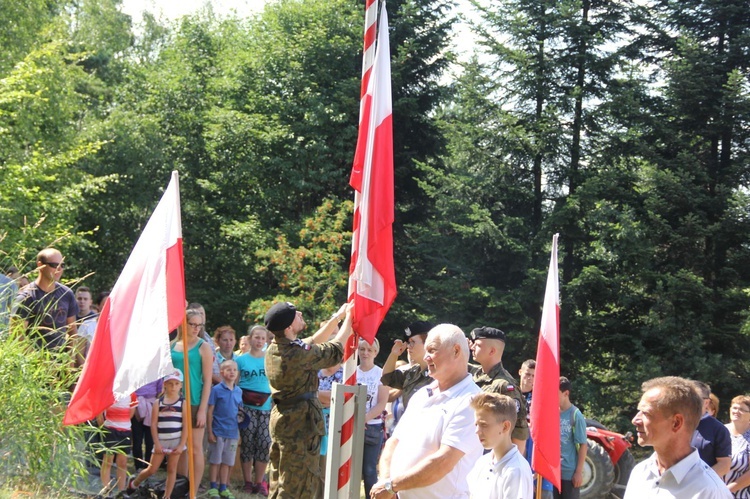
256,438
117,440
194,415
223,451
170,444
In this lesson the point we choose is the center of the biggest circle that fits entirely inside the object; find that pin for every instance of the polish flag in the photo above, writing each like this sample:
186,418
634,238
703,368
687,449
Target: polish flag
131,343
372,277
545,407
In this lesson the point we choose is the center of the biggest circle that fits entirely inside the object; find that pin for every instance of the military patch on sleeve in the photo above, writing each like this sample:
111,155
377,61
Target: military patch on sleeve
301,343
518,406
510,388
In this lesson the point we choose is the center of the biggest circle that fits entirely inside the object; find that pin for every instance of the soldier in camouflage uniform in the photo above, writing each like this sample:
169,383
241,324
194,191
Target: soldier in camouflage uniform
487,346
296,423
416,376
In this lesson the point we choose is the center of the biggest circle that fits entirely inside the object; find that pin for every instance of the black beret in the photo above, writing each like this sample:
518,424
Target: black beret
280,316
418,327
490,333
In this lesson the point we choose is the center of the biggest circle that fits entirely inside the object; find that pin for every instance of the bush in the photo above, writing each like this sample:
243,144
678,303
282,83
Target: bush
35,448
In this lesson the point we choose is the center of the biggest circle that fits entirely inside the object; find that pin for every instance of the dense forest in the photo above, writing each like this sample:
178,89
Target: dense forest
622,125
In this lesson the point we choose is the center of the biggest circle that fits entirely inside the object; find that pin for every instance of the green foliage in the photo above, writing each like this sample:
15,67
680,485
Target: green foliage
39,99
313,275
34,445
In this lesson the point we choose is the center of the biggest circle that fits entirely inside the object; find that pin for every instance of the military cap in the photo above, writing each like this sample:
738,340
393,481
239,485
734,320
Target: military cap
280,316
490,333
418,327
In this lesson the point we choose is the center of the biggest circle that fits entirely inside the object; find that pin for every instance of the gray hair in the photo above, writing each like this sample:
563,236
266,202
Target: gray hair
449,335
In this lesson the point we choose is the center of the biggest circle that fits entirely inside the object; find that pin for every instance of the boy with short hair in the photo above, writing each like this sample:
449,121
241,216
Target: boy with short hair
117,438
223,432
502,473
573,446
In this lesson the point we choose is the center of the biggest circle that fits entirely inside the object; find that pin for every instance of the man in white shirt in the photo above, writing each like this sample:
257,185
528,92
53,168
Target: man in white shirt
668,414
434,446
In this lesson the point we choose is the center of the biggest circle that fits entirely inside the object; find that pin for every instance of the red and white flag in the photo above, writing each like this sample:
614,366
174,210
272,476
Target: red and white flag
545,407
131,343
372,277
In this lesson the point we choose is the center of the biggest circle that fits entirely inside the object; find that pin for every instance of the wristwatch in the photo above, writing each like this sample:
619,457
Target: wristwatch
388,486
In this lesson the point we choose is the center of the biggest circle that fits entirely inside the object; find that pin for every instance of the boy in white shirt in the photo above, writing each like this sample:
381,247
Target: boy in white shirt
502,473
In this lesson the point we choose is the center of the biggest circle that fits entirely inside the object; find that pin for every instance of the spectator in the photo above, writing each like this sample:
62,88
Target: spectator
503,473
225,338
116,423
487,346
412,379
573,444
223,433
255,442
141,423
668,414
713,405
738,477
167,427
87,317
711,438
434,447
526,376
46,304
200,358
369,374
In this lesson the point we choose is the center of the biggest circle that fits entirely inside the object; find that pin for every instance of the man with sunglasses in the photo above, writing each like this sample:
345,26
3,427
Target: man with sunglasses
47,308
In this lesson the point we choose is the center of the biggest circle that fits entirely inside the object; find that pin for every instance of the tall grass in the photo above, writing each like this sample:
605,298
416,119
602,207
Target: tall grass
36,450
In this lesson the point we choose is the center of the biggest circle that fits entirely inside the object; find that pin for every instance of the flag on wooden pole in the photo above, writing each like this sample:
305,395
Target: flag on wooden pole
545,411
130,347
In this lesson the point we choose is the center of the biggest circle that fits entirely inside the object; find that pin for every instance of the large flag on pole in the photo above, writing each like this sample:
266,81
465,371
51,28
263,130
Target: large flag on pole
131,343
545,409
372,282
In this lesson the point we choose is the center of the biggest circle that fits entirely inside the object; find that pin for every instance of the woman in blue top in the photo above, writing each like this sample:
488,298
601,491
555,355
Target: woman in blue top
200,360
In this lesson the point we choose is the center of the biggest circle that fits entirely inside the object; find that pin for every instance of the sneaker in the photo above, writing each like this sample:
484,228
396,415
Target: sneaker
250,488
130,487
263,489
212,492
226,494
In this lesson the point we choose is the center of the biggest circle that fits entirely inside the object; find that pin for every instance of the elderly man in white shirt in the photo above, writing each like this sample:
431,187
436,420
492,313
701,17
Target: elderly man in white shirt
434,446
668,414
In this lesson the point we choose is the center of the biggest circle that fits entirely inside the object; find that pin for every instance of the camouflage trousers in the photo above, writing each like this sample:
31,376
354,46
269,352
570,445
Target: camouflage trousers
294,469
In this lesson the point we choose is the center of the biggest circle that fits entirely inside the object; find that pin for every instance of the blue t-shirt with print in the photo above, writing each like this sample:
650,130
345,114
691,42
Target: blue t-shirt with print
253,377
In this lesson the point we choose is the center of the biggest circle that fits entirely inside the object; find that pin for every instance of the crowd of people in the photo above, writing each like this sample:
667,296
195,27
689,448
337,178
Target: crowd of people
438,425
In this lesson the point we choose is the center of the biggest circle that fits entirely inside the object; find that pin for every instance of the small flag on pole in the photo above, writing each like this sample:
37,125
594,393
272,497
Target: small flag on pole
131,343
545,411
372,282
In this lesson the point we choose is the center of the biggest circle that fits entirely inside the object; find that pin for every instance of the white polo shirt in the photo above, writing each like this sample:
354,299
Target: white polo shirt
691,478
508,478
432,419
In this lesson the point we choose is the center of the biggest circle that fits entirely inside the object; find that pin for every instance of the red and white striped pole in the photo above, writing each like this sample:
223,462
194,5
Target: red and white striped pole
350,350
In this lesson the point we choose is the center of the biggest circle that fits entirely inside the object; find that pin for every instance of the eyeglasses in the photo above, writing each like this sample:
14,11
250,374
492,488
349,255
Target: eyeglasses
738,408
54,265
192,324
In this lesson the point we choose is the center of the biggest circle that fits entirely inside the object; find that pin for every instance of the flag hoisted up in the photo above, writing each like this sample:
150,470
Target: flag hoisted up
545,408
372,277
131,343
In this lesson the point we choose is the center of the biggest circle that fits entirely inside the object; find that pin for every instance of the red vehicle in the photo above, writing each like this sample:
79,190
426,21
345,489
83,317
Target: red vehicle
608,462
